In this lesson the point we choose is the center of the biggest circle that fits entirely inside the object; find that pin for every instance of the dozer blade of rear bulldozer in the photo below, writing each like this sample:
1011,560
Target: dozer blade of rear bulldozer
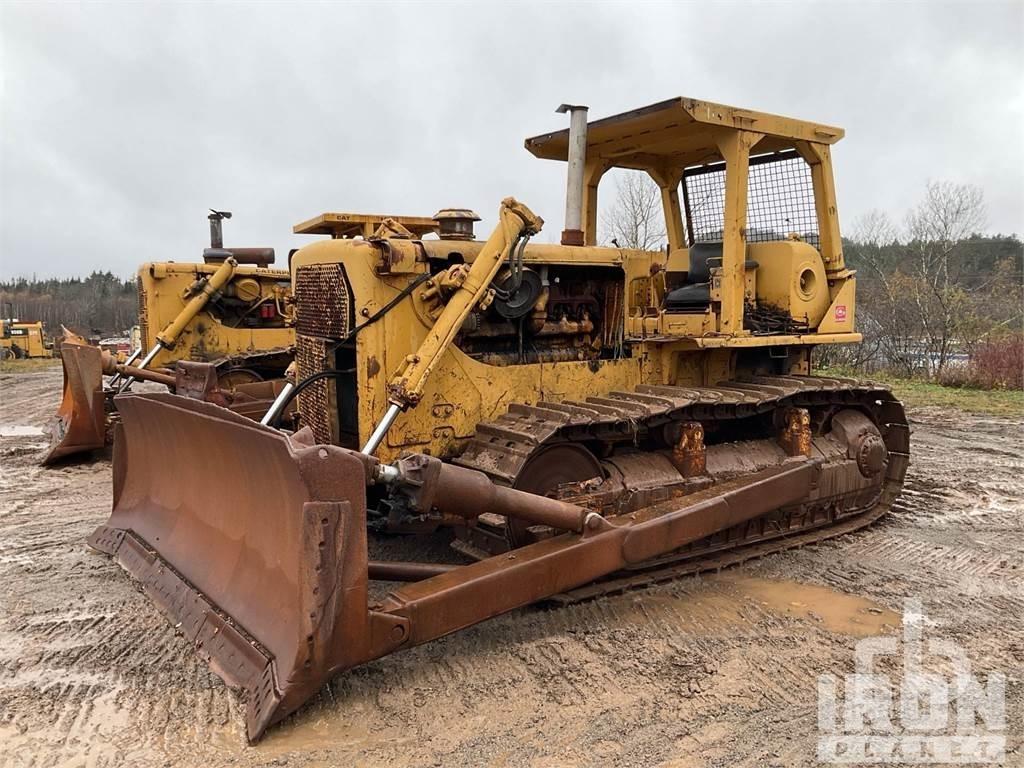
80,422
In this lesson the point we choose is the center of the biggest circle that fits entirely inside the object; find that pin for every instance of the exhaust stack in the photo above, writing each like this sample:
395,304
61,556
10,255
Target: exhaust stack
577,158
217,228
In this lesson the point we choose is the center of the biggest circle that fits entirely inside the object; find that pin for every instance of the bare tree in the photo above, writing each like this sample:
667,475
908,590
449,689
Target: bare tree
875,229
635,219
889,329
947,216
914,294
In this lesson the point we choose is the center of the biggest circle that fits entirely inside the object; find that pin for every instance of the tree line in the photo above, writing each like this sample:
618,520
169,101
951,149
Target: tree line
101,304
934,296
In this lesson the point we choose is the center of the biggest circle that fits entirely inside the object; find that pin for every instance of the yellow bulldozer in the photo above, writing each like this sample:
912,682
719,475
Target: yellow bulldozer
575,419
231,310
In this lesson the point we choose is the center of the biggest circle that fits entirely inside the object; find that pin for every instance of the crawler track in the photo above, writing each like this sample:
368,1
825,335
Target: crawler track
503,448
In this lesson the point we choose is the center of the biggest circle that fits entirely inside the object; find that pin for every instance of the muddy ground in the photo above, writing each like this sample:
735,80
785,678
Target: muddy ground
717,670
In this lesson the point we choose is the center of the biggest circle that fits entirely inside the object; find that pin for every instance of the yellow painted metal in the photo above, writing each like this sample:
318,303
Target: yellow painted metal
28,337
839,317
734,147
207,287
791,277
461,392
664,138
456,391
679,132
782,340
514,221
668,179
593,170
165,289
346,225
819,158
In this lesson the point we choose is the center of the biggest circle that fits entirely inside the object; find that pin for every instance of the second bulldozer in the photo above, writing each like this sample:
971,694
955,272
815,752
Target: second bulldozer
574,418
232,309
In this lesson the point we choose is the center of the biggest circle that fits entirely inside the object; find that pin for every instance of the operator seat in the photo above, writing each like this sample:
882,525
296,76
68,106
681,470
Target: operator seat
695,295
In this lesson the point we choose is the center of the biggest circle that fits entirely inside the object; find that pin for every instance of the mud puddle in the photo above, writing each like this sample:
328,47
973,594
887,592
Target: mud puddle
336,724
727,605
724,601
835,611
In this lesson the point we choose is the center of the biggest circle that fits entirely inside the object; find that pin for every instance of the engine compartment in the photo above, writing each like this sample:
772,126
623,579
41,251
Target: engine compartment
549,313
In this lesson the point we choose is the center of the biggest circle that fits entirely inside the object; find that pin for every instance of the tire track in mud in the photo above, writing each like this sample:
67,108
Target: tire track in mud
704,671
90,674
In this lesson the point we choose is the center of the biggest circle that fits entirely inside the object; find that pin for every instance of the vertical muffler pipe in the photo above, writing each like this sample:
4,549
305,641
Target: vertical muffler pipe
217,227
577,159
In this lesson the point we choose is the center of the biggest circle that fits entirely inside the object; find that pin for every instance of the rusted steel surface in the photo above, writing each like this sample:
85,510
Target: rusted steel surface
792,527
622,418
197,381
85,416
383,570
145,374
795,437
323,301
690,454
490,587
317,399
267,550
80,422
268,576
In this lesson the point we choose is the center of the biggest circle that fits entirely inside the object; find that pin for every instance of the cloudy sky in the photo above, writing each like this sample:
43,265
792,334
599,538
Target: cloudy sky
121,124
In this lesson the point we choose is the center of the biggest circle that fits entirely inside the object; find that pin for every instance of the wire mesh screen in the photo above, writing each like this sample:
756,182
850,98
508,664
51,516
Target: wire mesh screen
780,200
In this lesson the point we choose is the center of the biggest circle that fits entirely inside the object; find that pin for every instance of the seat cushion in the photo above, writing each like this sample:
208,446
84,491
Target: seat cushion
696,296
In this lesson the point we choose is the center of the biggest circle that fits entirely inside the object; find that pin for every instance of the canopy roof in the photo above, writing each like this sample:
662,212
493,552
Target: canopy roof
679,133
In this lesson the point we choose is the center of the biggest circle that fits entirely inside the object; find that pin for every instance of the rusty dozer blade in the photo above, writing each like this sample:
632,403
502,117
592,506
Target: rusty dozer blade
254,544
80,422
204,515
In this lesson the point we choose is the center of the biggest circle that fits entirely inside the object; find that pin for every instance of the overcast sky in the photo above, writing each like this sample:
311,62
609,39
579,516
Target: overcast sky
121,124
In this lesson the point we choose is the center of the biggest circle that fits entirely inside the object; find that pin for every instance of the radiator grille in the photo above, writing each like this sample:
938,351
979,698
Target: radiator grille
315,399
322,300
143,315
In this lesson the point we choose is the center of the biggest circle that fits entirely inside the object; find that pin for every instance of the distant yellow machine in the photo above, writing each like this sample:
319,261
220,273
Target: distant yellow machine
23,340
